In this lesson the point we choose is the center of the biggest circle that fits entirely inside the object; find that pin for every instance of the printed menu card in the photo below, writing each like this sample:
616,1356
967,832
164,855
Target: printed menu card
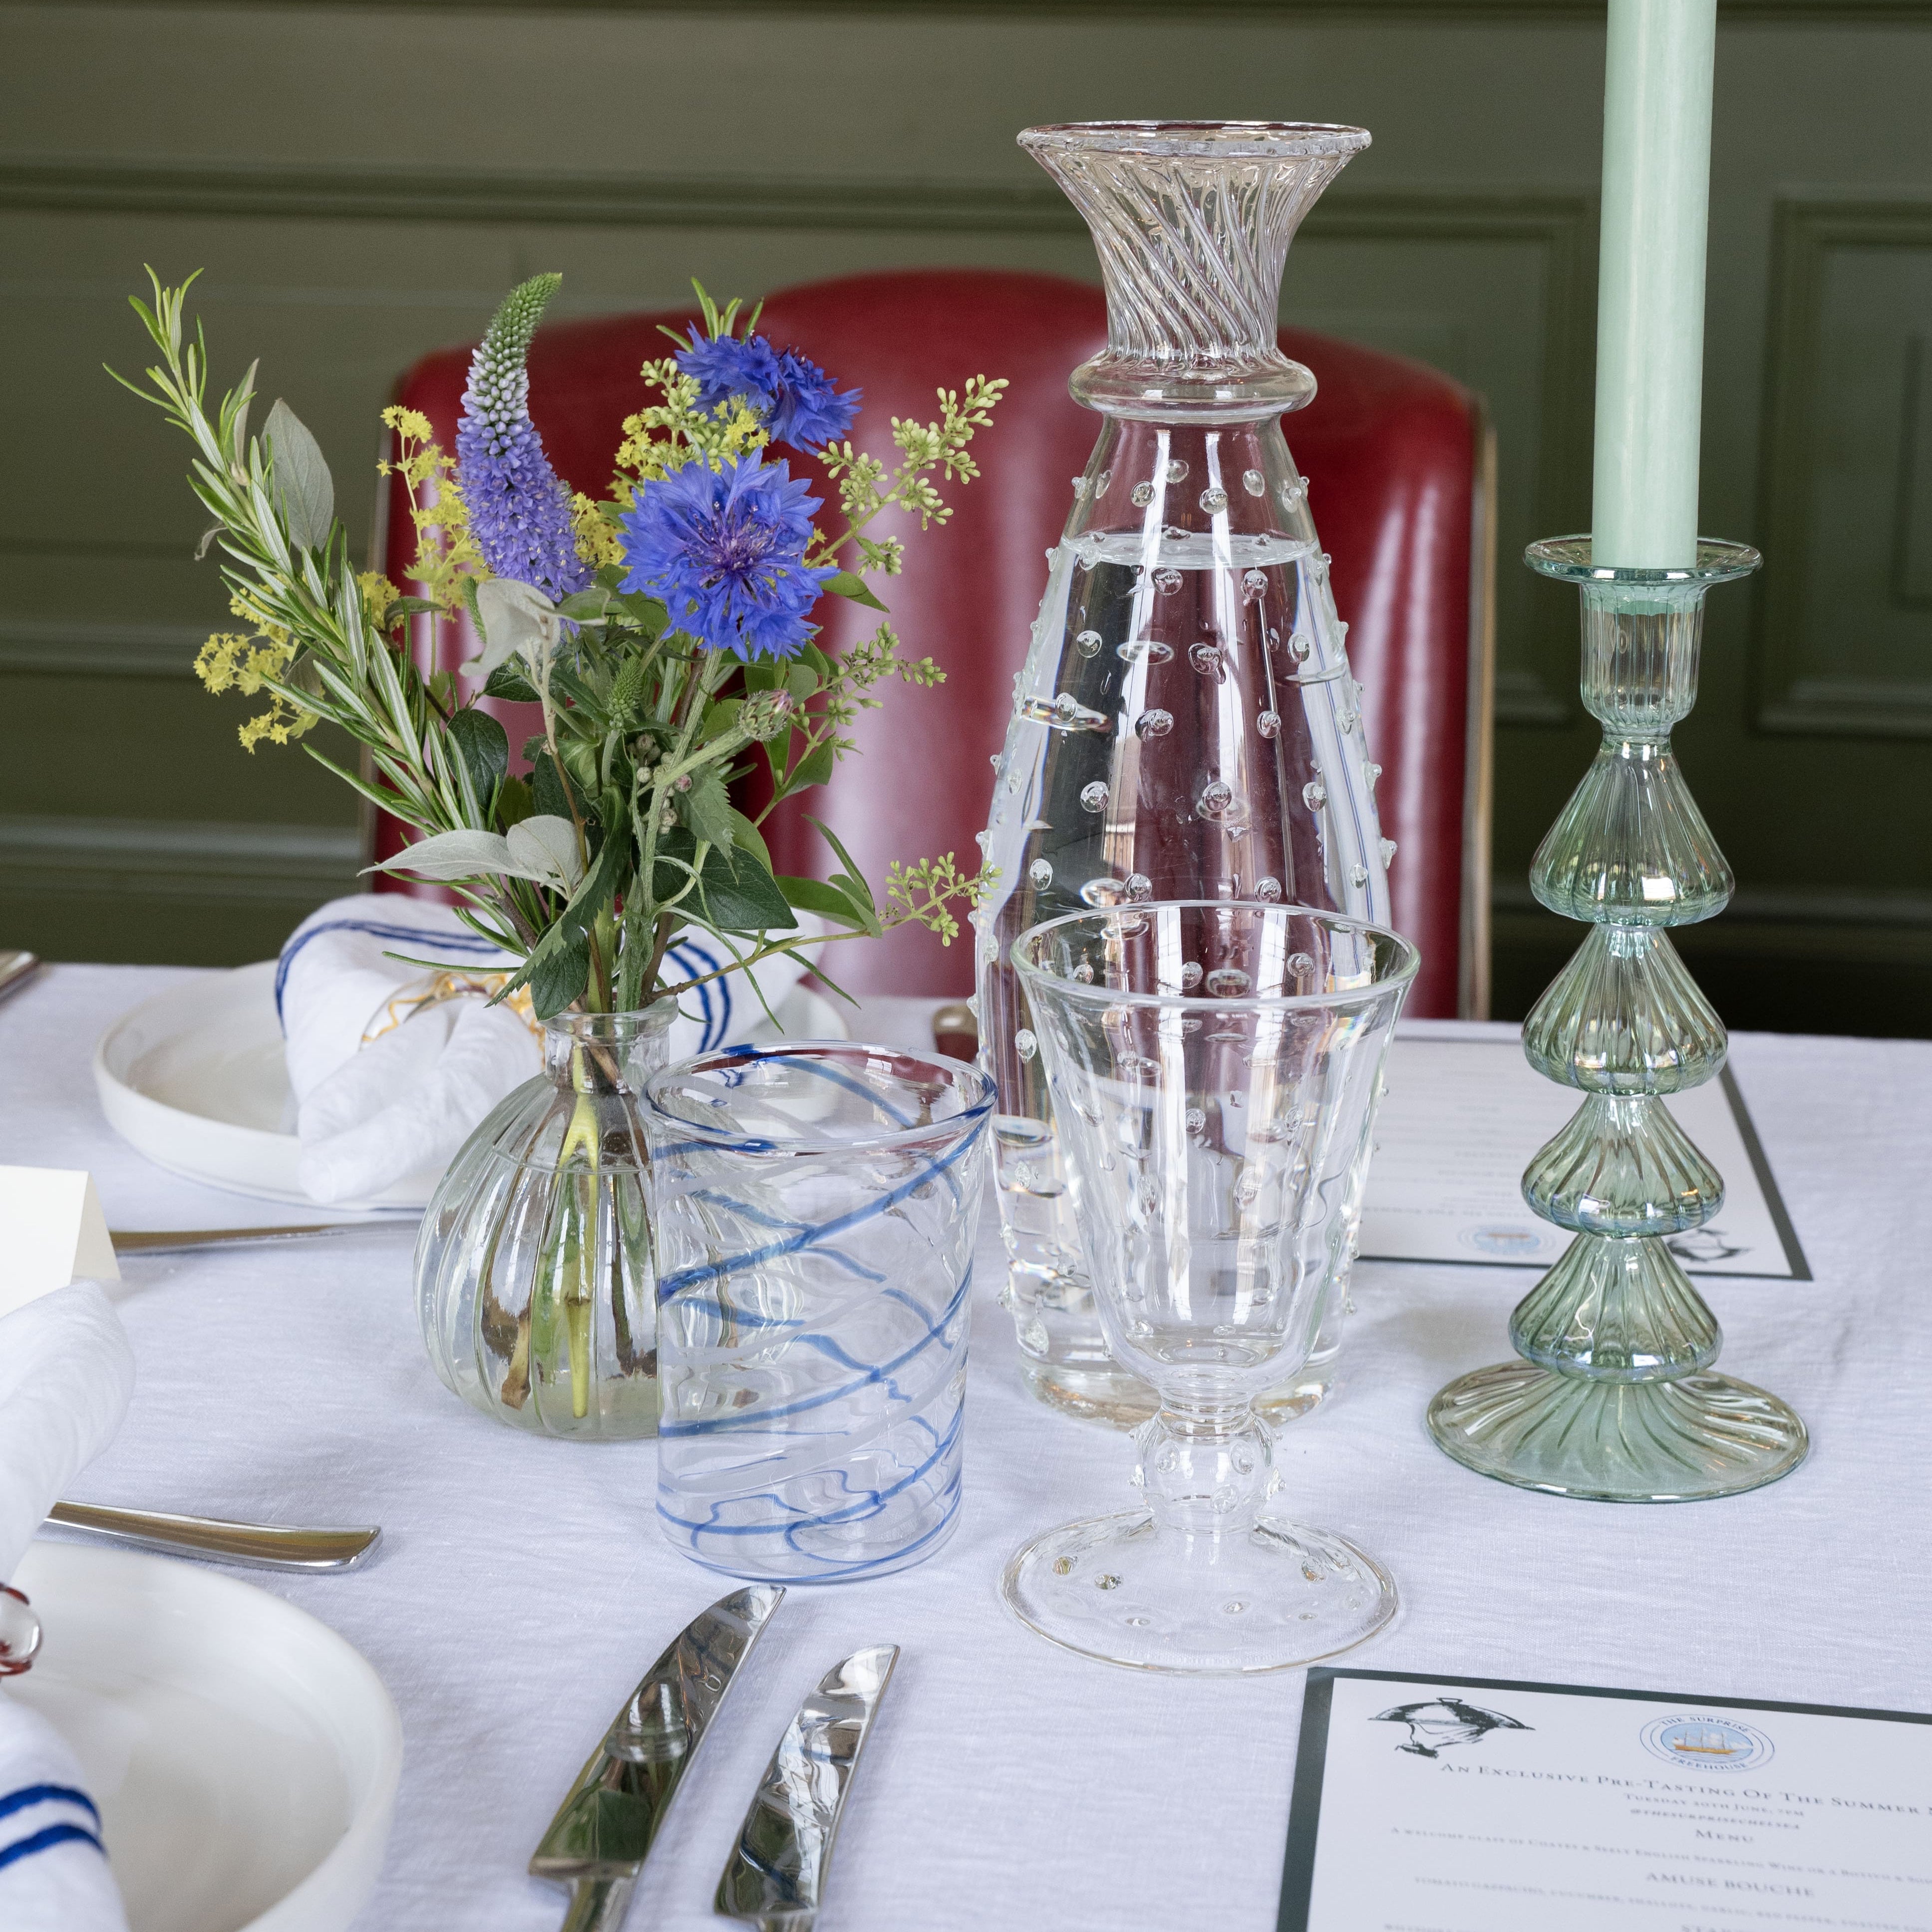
1427,1804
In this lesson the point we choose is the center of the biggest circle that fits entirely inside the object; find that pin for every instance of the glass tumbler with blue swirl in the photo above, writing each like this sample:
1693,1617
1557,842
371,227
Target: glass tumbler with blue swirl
815,1207
1215,1066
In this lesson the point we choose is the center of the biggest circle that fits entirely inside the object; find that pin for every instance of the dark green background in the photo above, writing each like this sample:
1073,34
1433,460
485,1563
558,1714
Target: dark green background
361,183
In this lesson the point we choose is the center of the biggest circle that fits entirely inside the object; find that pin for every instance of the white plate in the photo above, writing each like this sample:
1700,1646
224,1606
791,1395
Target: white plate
244,1757
195,1079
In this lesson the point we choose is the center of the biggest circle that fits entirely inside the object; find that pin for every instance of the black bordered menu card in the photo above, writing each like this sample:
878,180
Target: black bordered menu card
1426,1803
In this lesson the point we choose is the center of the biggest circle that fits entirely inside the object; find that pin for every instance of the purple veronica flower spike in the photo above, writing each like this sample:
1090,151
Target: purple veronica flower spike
519,509
725,551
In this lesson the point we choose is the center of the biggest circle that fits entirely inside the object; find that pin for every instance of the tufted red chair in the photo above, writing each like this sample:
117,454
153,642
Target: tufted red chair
1398,457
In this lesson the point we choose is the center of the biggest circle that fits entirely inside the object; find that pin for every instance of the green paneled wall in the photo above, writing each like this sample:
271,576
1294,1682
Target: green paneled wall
359,184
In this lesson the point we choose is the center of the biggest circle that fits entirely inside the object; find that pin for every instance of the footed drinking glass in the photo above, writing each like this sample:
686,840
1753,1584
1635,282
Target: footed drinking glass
816,1207
1214,1067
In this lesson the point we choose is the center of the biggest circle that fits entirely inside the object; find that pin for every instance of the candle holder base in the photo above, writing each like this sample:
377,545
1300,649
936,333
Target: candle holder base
1688,1440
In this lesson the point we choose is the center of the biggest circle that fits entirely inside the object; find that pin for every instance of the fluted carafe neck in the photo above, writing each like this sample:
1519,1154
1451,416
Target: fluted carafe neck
1191,221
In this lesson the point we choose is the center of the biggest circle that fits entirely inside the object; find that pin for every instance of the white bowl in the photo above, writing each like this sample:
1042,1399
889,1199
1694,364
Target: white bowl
195,1079
244,1757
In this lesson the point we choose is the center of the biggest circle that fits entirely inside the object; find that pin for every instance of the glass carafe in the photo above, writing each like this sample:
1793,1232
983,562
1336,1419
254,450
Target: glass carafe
1187,725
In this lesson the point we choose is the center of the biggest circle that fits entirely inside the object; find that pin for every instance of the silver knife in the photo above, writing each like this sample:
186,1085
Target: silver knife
16,970
775,1879
181,1240
598,1842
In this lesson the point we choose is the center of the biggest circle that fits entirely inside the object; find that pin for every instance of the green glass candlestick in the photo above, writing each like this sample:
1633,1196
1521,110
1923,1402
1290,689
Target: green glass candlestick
1613,1398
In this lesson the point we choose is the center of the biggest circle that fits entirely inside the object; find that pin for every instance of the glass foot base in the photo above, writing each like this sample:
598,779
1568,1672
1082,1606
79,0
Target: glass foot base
1701,1436
1273,1597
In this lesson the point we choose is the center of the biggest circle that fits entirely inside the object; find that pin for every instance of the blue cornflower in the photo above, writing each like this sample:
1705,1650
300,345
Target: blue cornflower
809,411
798,403
519,511
725,551
726,366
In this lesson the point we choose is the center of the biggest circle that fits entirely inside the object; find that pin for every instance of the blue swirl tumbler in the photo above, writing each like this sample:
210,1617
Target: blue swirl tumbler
815,1209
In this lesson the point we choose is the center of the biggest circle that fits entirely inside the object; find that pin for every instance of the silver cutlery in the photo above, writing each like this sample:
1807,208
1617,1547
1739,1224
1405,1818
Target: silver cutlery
180,1240
775,1878
16,970
252,1546
603,1831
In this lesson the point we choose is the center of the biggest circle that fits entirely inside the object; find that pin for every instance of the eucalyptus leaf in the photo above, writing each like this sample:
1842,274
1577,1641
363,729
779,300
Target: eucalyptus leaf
450,855
545,849
301,479
518,620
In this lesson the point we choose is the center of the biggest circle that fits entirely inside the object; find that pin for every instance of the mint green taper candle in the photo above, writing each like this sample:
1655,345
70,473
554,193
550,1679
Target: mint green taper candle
1650,301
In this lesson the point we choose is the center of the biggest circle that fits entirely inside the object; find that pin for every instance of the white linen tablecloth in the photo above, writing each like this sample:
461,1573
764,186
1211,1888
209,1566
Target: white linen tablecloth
523,1586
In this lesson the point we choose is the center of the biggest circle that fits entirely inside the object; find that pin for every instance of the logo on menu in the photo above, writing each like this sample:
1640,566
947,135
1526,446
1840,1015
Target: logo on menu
1708,1744
1444,1721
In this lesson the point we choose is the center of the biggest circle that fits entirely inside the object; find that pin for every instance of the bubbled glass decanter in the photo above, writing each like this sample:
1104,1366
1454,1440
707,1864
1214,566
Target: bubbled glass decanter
1186,726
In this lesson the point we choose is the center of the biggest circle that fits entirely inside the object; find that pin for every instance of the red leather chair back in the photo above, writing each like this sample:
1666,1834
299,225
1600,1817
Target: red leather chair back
1390,449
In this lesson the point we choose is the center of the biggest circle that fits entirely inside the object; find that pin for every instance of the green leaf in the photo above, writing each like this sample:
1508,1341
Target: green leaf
719,717
586,606
818,661
845,584
484,748
748,838
301,479
845,858
801,680
513,804
706,807
735,892
559,970
762,674
813,768
815,896
507,682
647,613
547,789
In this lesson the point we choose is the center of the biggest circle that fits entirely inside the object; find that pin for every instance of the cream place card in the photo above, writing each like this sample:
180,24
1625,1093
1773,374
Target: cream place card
1467,1805
52,1232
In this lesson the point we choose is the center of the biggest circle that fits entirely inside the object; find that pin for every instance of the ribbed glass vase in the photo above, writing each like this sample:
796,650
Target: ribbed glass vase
1187,725
535,1280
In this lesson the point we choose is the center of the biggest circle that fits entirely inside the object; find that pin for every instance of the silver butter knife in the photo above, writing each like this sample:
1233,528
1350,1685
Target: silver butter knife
181,1240
775,1878
16,970
252,1546
603,1831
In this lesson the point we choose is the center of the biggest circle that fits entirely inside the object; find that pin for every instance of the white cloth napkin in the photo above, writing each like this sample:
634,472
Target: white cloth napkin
66,1371
389,1115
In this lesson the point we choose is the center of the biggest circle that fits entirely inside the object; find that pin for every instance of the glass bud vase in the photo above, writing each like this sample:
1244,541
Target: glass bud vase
1186,726
1614,1398
535,1278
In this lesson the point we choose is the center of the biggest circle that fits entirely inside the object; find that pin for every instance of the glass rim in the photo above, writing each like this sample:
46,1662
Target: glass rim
1410,956
738,1139
1234,140
1568,559
590,1028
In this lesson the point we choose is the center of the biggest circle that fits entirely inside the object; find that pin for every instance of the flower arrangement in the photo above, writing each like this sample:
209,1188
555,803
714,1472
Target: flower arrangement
666,631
